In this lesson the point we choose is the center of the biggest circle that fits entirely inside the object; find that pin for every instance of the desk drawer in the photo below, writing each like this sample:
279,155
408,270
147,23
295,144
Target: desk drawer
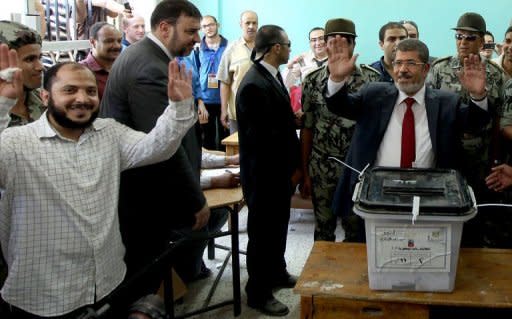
324,307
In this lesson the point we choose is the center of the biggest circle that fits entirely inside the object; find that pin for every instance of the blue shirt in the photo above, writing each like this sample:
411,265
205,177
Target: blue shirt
384,75
190,66
208,63
124,44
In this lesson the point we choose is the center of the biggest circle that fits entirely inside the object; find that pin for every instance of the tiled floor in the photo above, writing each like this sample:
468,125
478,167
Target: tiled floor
300,241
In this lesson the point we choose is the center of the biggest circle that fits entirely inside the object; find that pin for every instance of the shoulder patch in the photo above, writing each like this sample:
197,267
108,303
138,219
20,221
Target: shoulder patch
368,67
438,60
494,64
314,72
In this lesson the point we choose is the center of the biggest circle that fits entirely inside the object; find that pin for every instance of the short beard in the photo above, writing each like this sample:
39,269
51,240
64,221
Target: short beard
61,118
410,88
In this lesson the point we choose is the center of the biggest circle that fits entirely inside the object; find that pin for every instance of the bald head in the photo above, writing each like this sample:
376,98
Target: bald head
249,25
134,28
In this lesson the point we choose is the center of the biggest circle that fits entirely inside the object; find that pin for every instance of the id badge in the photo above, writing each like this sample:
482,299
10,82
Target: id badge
212,82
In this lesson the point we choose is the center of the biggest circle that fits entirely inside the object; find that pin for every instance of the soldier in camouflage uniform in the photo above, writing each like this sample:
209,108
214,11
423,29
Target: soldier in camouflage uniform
27,43
326,134
482,150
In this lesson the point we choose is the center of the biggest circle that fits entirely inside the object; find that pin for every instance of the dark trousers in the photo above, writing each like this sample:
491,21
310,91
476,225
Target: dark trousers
213,131
267,229
118,310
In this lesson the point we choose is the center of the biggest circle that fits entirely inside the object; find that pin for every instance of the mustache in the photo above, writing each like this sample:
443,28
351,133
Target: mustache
404,76
86,106
114,50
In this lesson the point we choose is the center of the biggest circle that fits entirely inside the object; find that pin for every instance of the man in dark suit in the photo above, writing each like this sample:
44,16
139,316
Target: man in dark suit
159,197
403,124
269,168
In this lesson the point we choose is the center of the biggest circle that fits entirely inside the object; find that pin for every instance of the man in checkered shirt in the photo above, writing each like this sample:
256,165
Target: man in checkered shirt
59,228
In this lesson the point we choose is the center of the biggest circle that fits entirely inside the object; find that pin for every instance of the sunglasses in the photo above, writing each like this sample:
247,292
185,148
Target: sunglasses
468,37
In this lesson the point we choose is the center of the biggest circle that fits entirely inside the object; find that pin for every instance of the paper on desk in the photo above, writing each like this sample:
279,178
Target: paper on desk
219,171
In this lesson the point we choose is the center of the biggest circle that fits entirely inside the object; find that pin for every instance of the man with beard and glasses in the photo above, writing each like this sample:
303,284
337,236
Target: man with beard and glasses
105,48
161,202
59,225
401,124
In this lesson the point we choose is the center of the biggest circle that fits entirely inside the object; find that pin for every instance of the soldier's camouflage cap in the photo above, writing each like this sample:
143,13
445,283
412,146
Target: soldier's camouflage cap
340,26
16,35
471,21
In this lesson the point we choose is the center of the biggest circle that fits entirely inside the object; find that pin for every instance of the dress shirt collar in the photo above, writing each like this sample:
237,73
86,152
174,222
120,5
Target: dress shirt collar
44,129
270,68
419,97
157,41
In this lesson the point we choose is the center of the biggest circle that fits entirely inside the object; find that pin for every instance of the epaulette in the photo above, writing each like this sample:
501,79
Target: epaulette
314,72
436,61
368,67
496,65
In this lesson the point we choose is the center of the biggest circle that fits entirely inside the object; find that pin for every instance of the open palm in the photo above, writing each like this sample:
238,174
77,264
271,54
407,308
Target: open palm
340,63
473,76
9,88
180,82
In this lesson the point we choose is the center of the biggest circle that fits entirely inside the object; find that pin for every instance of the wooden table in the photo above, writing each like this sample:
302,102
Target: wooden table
232,199
231,143
334,284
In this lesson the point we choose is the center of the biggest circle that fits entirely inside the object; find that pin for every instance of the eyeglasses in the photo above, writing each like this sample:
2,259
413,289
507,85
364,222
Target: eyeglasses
469,37
319,39
289,44
408,63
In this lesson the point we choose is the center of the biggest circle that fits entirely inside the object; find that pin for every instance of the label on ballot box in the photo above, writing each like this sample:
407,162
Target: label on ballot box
424,248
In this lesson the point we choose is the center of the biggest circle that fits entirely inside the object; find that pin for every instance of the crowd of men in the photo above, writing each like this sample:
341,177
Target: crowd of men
101,164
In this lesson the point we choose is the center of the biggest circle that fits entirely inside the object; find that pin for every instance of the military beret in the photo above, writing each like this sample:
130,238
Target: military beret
340,26
16,35
471,21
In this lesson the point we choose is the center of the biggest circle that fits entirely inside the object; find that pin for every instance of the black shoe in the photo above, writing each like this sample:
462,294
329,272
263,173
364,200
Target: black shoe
204,273
269,306
286,281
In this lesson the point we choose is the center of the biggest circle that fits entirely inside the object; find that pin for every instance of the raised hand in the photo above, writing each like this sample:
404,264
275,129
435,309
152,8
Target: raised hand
180,82
9,88
340,63
473,77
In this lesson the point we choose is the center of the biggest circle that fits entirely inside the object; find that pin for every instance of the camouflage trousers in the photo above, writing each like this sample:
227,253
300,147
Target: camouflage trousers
325,174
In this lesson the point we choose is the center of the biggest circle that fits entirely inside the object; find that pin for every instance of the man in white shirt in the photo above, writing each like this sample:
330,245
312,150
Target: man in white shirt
59,225
305,63
402,124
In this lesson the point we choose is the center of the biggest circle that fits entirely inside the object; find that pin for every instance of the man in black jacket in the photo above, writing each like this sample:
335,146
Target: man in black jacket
269,168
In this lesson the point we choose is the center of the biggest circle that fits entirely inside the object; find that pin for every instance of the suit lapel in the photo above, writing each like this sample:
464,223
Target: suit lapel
387,104
274,83
432,108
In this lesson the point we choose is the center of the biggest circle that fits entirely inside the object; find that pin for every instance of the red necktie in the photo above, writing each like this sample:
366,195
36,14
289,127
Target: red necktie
408,154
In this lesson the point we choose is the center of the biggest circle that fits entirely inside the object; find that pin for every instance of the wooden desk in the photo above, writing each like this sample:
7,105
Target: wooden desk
231,143
334,284
232,199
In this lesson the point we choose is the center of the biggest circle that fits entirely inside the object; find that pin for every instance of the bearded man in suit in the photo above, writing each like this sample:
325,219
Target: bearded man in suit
384,116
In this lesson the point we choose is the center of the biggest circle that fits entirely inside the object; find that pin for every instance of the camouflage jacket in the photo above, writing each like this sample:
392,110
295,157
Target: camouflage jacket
443,75
35,108
507,104
480,149
331,133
